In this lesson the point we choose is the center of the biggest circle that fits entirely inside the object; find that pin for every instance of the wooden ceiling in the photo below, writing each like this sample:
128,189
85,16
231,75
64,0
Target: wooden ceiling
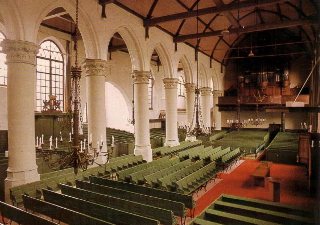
216,27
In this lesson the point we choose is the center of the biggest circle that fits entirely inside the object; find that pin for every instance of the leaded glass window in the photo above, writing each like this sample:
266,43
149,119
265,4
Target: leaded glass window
181,88
150,93
50,74
3,66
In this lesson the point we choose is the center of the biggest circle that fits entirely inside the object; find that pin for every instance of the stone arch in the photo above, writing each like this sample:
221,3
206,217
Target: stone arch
56,41
165,60
132,44
85,26
203,79
215,79
187,69
11,18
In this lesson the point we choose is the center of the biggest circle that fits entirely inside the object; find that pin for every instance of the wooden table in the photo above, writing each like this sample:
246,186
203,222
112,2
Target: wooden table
261,172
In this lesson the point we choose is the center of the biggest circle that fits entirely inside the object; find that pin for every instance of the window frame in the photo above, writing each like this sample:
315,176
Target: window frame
5,67
57,77
181,89
150,92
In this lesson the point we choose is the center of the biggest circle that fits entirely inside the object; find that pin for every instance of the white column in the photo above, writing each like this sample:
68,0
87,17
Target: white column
21,61
96,70
141,115
170,85
216,113
190,98
205,105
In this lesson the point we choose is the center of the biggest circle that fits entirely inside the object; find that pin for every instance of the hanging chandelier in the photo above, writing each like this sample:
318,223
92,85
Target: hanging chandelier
197,127
256,121
81,153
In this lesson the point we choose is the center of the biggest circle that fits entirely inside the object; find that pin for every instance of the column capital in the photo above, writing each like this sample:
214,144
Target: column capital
190,87
20,51
141,77
170,83
217,93
205,91
96,67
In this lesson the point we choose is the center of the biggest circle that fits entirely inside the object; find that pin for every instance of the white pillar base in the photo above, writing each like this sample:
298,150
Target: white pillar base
145,151
191,138
17,178
171,143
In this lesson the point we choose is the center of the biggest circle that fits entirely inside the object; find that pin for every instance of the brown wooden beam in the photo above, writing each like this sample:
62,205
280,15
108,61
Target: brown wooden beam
220,9
261,27
117,48
233,21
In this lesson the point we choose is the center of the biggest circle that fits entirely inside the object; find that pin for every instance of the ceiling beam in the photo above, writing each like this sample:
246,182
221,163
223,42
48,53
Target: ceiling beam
55,15
117,48
220,9
153,6
251,29
233,21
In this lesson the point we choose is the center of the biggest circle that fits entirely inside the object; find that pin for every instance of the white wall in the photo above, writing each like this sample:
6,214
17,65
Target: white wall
3,108
117,112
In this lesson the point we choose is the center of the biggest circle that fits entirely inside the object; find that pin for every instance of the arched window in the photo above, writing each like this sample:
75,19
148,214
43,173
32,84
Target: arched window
50,74
3,66
181,87
150,92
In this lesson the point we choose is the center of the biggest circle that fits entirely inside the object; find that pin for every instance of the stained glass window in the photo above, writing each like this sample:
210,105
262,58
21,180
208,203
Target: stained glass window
50,74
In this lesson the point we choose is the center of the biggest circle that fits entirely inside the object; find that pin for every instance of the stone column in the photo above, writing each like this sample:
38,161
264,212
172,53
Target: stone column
170,85
190,98
205,105
21,61
141,115
216,113
96,70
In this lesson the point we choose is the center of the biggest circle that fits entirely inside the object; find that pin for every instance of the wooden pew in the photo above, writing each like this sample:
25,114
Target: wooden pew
21,217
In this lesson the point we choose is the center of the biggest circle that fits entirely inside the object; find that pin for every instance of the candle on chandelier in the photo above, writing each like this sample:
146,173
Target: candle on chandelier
50,142
84,143
80,146
69,137
56,142
37,142
42,139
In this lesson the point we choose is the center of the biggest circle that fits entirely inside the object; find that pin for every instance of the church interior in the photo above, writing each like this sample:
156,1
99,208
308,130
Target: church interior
131,112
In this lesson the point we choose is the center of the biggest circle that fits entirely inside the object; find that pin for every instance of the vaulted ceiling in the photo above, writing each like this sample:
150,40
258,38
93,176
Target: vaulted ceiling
221,28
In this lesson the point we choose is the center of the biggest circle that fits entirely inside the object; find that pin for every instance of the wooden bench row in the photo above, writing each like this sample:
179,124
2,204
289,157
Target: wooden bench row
165,216
187,200
12,213
162,151
194,181
238,210
152,179
102,212
167,181
177,208
138,177
67,176
123,174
